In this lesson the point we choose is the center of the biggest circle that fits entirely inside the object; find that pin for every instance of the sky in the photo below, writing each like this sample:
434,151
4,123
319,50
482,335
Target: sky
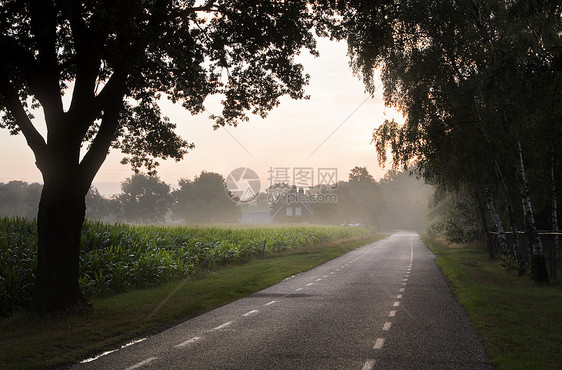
332,130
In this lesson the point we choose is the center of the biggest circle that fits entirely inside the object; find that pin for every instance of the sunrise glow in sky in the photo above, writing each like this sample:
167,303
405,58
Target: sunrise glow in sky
331,130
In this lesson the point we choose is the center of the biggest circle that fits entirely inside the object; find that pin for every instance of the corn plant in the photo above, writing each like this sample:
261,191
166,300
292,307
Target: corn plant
116,258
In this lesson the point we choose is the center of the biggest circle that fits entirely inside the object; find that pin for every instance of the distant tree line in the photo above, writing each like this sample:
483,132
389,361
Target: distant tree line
146,199
397,201
18,198
143,199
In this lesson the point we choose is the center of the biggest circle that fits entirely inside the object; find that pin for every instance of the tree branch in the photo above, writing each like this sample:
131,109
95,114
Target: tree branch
14,54
44,27
34,139
110,100
87,45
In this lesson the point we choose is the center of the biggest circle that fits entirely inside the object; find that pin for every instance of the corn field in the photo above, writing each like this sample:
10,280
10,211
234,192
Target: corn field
116,258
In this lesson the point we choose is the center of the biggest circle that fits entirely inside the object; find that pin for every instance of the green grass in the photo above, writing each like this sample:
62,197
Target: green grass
28,340
520,323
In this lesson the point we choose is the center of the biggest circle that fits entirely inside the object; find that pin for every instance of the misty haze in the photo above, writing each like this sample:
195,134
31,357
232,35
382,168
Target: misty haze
280,184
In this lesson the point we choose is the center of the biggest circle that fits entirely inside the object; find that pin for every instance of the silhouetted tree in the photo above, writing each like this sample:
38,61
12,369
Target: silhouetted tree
484,75
18,198
114,60
205,199
101,208
145,199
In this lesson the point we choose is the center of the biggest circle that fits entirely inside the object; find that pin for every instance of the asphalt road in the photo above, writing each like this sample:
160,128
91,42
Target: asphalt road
382,306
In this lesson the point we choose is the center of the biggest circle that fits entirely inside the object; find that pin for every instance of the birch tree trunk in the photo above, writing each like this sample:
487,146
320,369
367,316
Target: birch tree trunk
497,222
554,216
538,263
484,225
519,253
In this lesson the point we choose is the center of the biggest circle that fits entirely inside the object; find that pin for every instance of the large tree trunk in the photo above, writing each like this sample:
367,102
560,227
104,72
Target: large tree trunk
59,225
497,222
538,263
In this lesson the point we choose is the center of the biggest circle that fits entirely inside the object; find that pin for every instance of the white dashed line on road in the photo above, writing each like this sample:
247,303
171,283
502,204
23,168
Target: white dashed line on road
222,326
392,313
187,342
369,365
399,296
379,343
142,363
309,284
269,303
387,326
296,290
250,313
396,304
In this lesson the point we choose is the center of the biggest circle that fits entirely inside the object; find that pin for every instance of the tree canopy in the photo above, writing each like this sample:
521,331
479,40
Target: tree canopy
204,199
116,60
145,199
478,83
97,70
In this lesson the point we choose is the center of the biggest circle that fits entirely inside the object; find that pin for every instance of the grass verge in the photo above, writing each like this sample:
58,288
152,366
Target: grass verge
29,340
519,322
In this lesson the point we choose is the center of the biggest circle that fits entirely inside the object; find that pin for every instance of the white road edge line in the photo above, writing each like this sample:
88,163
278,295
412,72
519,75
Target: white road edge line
142,363
98,356
221,326
369,364
379,343
189,341
113,350
250,313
